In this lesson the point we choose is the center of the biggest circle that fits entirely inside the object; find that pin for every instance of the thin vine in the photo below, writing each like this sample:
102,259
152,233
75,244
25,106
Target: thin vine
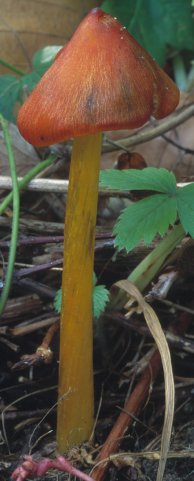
15,219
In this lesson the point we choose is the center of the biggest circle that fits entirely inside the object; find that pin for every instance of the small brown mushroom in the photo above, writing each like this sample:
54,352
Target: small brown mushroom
101,80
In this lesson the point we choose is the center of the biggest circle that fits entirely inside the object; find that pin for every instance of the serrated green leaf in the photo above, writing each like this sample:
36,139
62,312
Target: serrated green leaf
58,301
142,220
44,57
185,205
9,93
159,26
99,300
150,178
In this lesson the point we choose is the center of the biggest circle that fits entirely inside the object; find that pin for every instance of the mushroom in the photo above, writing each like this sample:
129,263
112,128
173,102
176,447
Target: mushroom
101,80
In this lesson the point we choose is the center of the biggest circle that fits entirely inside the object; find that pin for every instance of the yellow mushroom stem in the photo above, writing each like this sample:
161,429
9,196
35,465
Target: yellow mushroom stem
76,399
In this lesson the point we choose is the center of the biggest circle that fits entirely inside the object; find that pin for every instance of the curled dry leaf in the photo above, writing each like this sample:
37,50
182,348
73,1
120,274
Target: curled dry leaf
159,337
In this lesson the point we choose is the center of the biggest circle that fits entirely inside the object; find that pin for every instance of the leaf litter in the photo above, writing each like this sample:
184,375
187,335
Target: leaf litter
25,323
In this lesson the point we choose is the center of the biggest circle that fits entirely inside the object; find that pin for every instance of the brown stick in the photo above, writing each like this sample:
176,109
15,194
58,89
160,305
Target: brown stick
124,421
152,131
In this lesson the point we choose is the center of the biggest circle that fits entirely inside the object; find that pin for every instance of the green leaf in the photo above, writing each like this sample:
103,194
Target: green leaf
185,205
151,178
41,61
44,58
142,220
159,26
30,80
124,10
9,92
100,299
11,86
58,301
138,18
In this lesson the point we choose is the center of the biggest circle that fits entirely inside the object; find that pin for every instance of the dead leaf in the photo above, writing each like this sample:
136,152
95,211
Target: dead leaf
26,26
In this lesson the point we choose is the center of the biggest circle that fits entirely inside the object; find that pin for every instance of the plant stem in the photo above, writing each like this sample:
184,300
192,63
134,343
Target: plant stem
75,413
144,273
15,221
190,78
180,72
11,67
147,269
26,179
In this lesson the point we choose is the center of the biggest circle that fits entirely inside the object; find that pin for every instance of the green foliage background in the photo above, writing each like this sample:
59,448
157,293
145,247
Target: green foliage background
160,26
11,86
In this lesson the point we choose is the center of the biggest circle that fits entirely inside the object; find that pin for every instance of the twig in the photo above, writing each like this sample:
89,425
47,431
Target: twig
48,185
35,225
34,286
38,268
55,186
16,307
125,458
10,345
53,239
178,146
23,181
174,305
22,330
43,353
124,421
133,324
149,133
17,415
35,240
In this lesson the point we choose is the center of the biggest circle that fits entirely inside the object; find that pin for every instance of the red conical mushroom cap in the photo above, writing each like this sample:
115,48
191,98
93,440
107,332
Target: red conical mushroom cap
101,80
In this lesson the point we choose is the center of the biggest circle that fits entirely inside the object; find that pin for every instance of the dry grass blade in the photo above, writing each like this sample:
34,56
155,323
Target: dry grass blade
159,337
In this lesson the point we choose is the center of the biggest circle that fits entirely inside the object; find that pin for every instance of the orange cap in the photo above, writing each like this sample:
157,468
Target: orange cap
101,80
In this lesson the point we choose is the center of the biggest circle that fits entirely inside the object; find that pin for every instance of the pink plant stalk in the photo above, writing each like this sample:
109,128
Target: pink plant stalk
32,469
